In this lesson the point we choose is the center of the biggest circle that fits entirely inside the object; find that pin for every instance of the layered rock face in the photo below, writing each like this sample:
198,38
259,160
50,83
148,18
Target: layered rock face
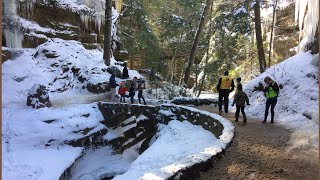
29,23
35,21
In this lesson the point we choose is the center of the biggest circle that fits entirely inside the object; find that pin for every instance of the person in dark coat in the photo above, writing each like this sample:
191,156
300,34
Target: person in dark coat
132,92
140,94
135,83
240,99
113,85
271,92
238,82
152,74
125,73
224,87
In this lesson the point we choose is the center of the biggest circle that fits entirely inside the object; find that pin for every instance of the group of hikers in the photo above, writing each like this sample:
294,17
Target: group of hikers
226,85
135,85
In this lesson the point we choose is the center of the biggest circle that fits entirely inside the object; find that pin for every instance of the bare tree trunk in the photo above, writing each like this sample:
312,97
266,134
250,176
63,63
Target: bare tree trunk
196,85
196,41
257,21
207,51
107,33
272,27
170,74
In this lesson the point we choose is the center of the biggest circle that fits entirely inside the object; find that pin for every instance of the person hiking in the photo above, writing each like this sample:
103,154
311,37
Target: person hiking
240,99
132,93
125,73
135,83
113,84
152,74
122,91
224,87
238,82
140,94
142,82
271,92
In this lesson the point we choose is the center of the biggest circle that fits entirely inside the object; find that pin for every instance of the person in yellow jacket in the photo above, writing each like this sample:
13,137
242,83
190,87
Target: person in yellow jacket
271,92
224,87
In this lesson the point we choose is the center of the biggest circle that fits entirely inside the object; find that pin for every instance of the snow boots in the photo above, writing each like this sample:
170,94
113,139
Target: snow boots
244,118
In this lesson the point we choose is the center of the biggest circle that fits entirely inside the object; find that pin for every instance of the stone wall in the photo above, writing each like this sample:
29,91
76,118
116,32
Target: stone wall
116,116
194,101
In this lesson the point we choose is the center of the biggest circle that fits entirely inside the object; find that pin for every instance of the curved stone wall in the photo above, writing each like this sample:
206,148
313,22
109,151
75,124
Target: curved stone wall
143,126
194,101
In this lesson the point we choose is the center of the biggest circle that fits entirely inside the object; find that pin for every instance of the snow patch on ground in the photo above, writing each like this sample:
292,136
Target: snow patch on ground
103,162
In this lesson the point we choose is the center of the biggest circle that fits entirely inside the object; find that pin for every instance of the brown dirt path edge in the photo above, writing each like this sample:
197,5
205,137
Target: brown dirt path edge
259,151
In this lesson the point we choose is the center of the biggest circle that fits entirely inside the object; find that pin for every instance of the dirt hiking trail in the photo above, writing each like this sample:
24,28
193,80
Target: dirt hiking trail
259,151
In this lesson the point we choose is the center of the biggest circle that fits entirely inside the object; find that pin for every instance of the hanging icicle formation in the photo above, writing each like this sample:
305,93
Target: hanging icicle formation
12,29
97,15
307,16
12,35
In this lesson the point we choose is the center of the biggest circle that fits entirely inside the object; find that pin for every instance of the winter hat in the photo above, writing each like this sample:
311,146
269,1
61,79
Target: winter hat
239,79
267,79
226,73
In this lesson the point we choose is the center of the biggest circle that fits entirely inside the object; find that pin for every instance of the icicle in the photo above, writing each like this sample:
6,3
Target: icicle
10,7
296,10
30,6
13,38
97,21
310,21
302,9
85,19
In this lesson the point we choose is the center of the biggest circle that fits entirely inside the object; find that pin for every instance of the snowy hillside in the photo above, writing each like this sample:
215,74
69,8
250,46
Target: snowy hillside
64,67
34,140
298,102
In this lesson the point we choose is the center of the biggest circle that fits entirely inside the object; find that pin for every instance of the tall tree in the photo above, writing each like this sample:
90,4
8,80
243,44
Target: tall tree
196,40
257,21
272,29
107,32
207,53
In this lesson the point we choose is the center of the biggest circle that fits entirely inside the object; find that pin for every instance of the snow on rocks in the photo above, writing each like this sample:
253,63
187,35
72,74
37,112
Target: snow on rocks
48,130
115,70
38,97
182,141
